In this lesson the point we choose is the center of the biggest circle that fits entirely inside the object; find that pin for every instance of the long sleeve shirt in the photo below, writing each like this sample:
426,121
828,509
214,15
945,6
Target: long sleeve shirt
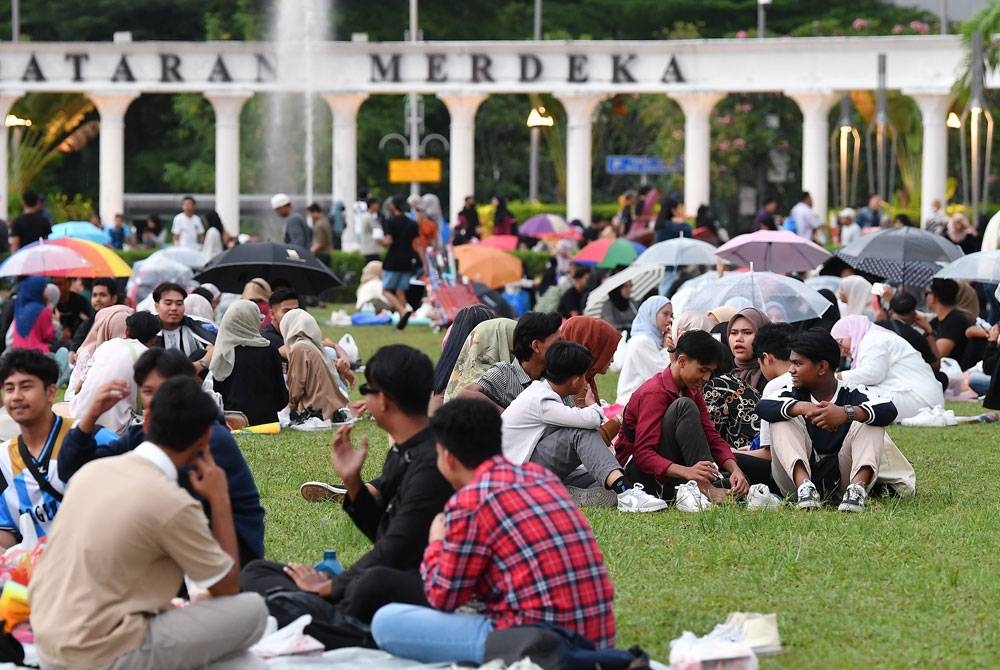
641,430
888,365
535,409
515,541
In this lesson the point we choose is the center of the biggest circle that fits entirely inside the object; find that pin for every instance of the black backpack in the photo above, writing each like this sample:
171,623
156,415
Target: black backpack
330,625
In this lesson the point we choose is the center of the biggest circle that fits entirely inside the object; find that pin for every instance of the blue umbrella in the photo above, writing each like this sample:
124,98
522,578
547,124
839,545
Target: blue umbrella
81,230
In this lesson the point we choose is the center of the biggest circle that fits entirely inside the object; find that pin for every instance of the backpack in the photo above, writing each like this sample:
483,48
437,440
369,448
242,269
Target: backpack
553,647
330,625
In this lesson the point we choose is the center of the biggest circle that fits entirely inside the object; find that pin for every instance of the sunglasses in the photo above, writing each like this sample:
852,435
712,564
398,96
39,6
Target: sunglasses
365,389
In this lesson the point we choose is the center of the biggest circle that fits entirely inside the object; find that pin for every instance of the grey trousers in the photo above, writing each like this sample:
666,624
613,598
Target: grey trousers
682,440
214,633
563,450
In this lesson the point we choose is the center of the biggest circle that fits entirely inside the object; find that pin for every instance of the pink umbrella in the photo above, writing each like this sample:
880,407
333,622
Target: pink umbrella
502,242
777,251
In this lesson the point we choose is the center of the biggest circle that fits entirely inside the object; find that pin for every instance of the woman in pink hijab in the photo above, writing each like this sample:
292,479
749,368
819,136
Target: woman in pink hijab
887,364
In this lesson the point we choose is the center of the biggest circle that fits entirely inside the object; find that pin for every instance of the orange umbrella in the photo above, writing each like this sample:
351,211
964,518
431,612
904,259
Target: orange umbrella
488,265
65,257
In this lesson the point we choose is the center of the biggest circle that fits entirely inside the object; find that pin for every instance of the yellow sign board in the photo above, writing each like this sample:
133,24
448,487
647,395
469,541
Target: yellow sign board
427,170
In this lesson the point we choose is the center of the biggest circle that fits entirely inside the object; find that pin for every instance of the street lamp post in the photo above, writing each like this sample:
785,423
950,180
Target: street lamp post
881,141
845,156
977,126
537,120
762,17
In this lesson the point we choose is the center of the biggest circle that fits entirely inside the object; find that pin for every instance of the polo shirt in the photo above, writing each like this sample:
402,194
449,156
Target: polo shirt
503,382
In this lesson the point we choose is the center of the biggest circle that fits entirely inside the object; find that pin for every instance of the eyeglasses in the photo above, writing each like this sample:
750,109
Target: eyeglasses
365,389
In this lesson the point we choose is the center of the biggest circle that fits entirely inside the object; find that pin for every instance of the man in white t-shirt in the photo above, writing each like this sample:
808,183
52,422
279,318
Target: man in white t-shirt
807,222
188,230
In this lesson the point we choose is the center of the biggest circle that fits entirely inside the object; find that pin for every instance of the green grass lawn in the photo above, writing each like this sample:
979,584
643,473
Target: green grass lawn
909,583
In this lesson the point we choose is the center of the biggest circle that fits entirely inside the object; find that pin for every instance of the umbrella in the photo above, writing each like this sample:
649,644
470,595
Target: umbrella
548,225
644,278
502,242
148,274
694,286
65,257
982,266
766,291
774,251
824,281
679,251
609,253
488,265
82,230
493,300
271,261
910,256
193,258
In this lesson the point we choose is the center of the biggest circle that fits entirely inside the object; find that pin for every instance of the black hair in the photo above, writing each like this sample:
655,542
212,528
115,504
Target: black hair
142,326
204,293
167,362
371,201
566,359
903,303
533,326
700,346
470,429
399,202
314,207
180,413
817,345
466,319
580,271
773,338
281,295
945,291
405,375
805,194
768,201
108,283
667,207
30,199
188,197
213,220
166,287
30,362
905,220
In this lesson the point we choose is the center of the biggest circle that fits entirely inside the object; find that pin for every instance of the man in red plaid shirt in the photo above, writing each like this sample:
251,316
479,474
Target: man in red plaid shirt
510,538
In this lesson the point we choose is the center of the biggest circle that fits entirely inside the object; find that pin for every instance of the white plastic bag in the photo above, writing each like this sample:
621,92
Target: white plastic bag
348,344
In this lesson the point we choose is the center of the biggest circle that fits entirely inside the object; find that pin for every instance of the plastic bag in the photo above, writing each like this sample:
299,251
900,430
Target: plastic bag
348,344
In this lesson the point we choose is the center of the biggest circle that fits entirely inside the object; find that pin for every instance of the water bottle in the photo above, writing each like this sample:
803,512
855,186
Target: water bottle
330,565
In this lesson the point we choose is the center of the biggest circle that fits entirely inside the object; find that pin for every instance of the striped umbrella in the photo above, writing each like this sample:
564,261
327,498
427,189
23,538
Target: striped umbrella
65,257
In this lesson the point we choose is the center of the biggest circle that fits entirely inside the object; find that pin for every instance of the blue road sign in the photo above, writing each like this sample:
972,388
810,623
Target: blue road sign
641,165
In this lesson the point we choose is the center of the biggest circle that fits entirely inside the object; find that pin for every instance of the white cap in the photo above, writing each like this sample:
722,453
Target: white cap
846,213
279,200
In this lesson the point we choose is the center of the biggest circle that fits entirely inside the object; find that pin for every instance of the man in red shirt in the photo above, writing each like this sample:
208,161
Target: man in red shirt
511,538
667,439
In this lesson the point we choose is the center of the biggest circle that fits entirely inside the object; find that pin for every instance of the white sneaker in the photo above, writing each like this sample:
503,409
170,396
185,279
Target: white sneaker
854,499
760,497
637,500
311,424
691,499
932,417
807,496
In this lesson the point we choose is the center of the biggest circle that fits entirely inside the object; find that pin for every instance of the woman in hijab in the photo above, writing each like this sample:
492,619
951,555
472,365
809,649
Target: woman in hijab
619,310
601,339
199,307
258,291
314,384
961,232
451,346
246,367
488,343
689,321
646,353
856,294
109,323
887,364
32,327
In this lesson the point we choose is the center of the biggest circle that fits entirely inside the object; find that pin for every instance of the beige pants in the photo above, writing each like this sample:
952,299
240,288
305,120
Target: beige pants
790,444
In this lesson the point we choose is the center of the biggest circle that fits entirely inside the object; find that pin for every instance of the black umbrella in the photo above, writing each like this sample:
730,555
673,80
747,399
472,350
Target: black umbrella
910,256
273,262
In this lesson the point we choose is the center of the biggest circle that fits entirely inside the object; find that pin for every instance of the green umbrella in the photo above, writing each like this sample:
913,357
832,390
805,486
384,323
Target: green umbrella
607,253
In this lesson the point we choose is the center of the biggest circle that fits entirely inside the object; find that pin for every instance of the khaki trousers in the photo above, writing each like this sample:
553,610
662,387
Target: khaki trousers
790,444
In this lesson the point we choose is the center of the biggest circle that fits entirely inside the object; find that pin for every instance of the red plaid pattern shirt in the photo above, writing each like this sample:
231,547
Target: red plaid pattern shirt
516,542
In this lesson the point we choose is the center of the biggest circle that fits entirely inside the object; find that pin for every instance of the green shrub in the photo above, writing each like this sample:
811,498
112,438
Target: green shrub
130,256
524,210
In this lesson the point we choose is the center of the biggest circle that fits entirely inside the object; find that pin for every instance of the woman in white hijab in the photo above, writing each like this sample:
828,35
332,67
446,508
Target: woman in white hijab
314,386
646,353
856,294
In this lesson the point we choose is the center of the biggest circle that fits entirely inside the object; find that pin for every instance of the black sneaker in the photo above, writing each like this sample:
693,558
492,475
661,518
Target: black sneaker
403,319
322,492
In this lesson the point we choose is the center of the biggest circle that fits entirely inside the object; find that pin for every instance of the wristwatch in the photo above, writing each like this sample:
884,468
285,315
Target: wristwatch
850,411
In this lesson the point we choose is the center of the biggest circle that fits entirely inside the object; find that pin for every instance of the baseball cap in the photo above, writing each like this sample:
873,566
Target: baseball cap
279,200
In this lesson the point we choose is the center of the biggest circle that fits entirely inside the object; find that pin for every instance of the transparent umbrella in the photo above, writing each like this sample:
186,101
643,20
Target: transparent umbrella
982,266
679,251
193,258
781,298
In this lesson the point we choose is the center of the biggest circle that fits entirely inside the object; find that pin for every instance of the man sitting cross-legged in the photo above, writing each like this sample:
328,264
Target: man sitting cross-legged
125,537
539,427
667,438
510,537
826,437
394,510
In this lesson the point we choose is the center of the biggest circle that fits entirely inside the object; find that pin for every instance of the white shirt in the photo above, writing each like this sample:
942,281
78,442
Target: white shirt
186,230
537,408
112,360
643,359
772,390
806,220
849,233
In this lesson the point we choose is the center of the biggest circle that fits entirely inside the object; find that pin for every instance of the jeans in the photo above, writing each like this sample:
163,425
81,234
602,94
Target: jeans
431,636
979,382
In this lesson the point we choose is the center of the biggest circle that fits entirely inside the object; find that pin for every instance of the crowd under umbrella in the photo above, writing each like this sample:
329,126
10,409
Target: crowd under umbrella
678,252
778,251
782,298
81,230
982,266
907,256
193,258
702,282
270,261
643,276
149,273
65,257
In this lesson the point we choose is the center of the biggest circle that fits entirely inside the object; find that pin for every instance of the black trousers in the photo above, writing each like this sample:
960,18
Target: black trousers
361,593
682,440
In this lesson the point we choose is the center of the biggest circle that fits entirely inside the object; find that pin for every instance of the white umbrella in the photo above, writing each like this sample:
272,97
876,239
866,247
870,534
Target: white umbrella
982,266
694,286
193,258
644,279
679,251
788,298
824,281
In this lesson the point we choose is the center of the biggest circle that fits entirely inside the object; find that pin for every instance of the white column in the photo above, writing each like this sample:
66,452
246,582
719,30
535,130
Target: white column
112,108
462,151
227,108
345,151
7,100
697,108
815,109
934,160
579,113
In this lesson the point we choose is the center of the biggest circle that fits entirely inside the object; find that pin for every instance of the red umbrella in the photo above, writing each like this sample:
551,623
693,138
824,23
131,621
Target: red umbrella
502,242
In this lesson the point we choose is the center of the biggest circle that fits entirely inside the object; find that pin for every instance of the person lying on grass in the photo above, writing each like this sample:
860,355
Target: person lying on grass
668,441
510,537
826,436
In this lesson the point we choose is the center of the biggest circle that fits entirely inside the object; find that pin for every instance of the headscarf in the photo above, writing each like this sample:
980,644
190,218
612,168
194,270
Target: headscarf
644,322
109,323
858,293
256,289
600,338
466,319
832,313
855,327
959,228
212,289
29,304
689,321
490,342
52,295
749,372
615,297
302,327
196,305
781,310
967,300
373,270
240,327
722,313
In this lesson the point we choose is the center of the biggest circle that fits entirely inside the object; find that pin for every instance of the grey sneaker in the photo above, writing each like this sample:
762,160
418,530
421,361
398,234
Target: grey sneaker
854,499
807,496
593,496
322,492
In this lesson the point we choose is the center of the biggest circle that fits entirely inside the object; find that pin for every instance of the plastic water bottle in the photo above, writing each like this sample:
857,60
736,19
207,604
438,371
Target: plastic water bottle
330,564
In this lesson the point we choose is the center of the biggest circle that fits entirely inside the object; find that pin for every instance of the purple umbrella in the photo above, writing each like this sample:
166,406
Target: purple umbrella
777,251
543,225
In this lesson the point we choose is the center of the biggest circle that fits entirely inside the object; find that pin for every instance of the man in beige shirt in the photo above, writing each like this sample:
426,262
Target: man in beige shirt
125,537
